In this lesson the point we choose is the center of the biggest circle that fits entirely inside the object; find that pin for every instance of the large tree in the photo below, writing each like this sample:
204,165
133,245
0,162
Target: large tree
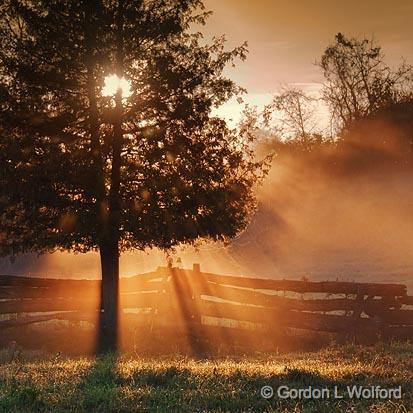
81,171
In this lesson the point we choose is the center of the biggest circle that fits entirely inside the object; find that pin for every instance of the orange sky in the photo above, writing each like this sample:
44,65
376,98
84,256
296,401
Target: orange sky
286,37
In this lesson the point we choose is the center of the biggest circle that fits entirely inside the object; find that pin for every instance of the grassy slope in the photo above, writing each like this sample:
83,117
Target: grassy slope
59,384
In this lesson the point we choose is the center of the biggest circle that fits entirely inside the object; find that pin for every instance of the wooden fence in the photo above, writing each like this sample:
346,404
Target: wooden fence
196,301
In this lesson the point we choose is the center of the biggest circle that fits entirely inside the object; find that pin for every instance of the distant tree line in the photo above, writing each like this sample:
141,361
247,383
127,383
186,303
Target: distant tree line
370,107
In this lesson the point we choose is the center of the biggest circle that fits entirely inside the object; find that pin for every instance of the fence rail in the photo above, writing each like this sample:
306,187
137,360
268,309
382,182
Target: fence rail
192,298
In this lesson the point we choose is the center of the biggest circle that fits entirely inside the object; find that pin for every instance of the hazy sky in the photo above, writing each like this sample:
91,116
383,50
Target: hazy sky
286,37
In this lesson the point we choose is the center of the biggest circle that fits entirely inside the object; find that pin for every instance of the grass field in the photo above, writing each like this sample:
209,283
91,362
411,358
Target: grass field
35,382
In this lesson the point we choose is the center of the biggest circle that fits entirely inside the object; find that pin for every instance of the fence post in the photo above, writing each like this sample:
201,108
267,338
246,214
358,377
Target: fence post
196,281
358,309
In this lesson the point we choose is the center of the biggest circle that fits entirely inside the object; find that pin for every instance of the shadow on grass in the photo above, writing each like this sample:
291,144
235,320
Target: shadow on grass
166,388
188,385
98,391
179,388
175,389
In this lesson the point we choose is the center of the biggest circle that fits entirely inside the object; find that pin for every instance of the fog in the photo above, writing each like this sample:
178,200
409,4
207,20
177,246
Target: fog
309,224
329,214
319,226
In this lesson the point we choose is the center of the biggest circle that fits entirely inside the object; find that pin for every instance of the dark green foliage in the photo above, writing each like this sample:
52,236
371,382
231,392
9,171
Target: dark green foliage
184,175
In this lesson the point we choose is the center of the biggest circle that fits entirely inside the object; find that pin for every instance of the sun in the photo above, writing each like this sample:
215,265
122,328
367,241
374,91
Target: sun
113,83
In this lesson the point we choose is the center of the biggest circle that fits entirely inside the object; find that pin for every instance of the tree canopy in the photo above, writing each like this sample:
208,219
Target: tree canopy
154,167
358,82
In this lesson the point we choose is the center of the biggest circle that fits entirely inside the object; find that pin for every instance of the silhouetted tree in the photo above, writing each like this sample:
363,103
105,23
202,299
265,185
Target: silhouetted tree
81,171
292,117
288,125
292,113
358,81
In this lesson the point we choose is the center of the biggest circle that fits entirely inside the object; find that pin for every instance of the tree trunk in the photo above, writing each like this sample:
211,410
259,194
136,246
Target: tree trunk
109,306
109,249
